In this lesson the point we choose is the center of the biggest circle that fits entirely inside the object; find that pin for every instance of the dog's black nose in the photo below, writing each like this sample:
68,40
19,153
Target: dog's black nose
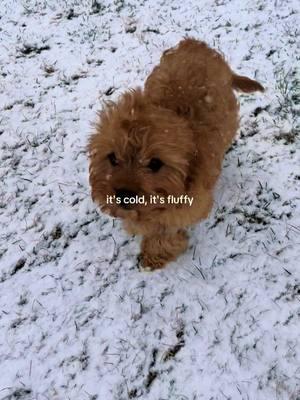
126,197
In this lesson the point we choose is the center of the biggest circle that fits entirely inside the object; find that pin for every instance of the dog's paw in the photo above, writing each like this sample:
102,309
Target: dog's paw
149,263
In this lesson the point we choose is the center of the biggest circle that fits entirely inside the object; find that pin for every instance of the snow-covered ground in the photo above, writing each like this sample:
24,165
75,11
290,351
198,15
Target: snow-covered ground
78,320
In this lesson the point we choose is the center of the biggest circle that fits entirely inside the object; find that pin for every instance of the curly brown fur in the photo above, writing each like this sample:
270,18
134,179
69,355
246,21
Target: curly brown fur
186,117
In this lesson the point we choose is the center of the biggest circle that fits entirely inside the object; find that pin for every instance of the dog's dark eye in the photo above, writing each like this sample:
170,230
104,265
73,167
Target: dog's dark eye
155,164
113,159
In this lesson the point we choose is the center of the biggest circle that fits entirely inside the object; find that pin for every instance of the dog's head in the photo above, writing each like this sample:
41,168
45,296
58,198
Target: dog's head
138,150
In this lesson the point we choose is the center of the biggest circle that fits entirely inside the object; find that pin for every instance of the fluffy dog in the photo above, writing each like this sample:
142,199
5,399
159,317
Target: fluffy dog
168,139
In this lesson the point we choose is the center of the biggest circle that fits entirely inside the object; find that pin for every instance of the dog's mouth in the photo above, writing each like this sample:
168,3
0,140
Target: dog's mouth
126,198
127,204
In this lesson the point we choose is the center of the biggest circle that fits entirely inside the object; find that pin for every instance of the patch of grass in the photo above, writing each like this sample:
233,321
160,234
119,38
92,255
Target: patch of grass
173,350
288,98
19,393
49,69
152,375
152,30
97,7
120,4
56,233
32,49
17,322
18,266
291,292
287,137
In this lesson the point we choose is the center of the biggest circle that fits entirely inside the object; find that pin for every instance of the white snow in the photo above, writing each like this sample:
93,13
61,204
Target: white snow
78,320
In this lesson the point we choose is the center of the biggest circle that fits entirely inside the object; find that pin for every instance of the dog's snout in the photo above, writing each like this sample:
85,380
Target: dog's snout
126,197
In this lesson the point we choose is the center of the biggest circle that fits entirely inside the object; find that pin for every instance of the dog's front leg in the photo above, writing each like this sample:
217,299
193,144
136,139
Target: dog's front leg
157,250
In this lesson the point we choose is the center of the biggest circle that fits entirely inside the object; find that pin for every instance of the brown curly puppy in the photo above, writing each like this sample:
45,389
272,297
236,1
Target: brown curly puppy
168,139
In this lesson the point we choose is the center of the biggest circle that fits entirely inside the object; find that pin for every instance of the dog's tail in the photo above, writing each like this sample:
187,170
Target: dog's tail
244,84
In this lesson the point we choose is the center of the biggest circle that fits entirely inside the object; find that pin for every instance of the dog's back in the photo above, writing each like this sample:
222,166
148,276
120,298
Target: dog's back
192,79
196,82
